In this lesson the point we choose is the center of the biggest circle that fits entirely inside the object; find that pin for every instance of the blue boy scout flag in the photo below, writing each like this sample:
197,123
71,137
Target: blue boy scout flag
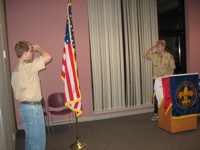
185,94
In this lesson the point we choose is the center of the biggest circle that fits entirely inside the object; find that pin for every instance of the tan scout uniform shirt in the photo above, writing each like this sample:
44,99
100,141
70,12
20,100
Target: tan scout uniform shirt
25,80
162,64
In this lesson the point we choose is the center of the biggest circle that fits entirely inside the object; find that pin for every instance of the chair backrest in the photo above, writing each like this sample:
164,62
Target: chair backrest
56,100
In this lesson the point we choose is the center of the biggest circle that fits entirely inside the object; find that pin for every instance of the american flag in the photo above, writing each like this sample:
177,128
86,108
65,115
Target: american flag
69,73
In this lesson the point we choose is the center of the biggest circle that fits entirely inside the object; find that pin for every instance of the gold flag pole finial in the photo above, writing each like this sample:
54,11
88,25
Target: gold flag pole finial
78,145
69,2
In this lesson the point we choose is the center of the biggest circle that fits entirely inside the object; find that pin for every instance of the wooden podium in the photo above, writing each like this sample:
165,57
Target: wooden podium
175,125
184,93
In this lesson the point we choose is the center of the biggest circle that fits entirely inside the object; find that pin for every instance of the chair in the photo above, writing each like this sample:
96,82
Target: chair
55,101
45,114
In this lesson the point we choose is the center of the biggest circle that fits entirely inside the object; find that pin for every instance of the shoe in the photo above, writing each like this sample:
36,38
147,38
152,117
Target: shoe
155,117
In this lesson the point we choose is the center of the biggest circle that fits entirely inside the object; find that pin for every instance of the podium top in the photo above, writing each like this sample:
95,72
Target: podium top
184,74
175,75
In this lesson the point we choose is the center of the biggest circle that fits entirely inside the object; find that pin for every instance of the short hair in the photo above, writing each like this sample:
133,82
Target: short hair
162,42
21,47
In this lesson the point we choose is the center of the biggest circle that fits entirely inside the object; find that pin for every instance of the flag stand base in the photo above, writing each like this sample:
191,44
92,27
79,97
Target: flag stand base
78,145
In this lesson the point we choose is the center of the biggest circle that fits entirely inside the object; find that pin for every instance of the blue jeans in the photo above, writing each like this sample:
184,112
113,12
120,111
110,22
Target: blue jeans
33,122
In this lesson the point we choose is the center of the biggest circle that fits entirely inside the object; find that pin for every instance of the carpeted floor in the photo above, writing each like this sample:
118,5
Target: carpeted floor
136,132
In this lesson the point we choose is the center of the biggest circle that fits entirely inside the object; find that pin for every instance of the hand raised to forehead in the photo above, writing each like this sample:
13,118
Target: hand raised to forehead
35,47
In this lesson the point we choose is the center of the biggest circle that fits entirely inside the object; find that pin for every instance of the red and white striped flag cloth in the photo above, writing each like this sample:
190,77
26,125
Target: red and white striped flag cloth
69,73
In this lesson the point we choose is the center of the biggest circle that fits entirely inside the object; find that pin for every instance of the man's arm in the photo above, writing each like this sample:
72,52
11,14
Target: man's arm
171,71
45,55
172,65
148,51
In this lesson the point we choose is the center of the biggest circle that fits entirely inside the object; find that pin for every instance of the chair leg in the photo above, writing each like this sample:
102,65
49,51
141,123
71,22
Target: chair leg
45,123
52,124
48,124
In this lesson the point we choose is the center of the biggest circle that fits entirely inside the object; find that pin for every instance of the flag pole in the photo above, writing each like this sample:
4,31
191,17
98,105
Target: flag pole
71,71
78,145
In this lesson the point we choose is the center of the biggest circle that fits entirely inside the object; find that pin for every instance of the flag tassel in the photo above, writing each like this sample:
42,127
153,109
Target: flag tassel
78,145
